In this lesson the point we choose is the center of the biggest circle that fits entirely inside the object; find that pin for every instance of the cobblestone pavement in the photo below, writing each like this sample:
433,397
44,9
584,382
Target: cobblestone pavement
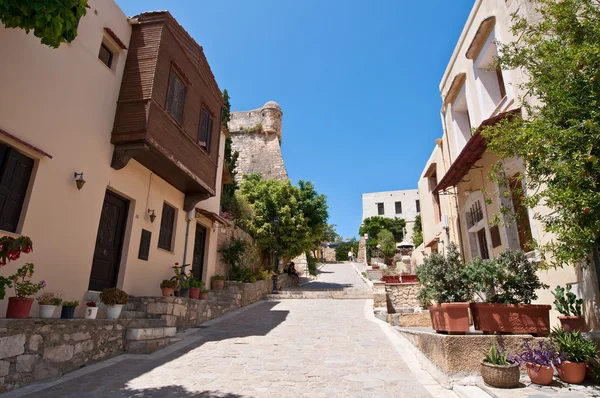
335,276
288,348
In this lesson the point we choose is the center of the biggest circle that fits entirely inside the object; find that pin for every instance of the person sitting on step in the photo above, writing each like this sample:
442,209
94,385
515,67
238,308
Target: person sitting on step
294,274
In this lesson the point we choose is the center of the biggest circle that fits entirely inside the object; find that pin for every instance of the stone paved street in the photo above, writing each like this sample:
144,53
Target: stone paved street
287,348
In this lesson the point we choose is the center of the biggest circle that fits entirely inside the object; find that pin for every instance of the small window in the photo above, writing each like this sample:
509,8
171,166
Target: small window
15,173
495,234
501,83
144,252
167,224
176,97
418,205
206,124
398,207
380,209
105,55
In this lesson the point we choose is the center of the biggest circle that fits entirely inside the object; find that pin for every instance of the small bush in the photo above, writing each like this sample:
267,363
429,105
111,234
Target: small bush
114,296
312,263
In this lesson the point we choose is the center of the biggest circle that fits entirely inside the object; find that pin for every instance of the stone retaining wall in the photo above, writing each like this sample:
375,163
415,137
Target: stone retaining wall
37,349
402,297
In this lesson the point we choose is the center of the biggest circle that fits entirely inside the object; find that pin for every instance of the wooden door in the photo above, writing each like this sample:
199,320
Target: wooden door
109,242
198,259
483,248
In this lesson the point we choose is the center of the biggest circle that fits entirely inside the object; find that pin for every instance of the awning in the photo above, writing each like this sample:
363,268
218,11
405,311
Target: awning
211,216
24,143
471,153
432,242
115,38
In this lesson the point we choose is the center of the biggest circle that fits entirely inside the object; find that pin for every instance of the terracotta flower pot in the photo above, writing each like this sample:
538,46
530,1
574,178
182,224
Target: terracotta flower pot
167,291
19,307
500,376
410,278
451,318
195,292
218,284
511,318
571,372
203,296
391,278
539,374
572,323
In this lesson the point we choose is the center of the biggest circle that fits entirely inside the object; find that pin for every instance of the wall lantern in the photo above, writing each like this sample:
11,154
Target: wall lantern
79,181
151,215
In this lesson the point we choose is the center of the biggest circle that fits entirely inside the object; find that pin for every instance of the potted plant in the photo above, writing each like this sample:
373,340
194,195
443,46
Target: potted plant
390,276
203,294
184,287
568,305
195,287
498,370
538,361
91,310
445,282
114,299
507,285
68,309
167,287
218,282
19,306
48,303
577,352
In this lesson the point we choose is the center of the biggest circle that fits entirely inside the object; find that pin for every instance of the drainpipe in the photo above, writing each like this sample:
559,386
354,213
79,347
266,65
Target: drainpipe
188,219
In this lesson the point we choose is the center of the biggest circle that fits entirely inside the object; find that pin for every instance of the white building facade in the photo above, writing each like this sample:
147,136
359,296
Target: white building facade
403,204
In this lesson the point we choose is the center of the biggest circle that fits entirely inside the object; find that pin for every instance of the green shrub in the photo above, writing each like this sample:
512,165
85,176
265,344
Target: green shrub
573,345
312,263
114,296
496,356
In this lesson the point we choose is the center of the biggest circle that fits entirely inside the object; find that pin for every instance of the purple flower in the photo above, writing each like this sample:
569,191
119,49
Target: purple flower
43,283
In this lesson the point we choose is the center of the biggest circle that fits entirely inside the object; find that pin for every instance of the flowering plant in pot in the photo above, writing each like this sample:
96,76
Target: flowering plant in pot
168,286
539,361
577,352
195,286
91,310
506,286
498,370
68,309
48,303
569,306
19,306
445,282
203,294
218,282
114,299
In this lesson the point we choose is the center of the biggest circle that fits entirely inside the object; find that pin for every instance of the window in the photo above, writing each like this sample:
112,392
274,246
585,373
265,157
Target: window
206,124
461,121
398,207
418,205
482,240
501,82
144,252
380,209
495,234
176,97
15,173
167,224
521,214
105,55
437,210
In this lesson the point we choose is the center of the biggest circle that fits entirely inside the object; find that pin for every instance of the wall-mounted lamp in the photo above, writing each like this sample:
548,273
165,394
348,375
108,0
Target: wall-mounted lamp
151,215
79,181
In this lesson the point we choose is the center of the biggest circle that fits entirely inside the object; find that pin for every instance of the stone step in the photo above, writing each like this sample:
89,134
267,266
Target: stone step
130,314
147,323
325,294
148,346
150,333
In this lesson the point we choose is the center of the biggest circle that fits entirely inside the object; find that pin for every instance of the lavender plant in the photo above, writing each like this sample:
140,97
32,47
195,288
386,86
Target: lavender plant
543,354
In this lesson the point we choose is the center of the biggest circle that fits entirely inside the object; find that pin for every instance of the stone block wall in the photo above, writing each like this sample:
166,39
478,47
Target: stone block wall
402,297
224,236
37,349
329,254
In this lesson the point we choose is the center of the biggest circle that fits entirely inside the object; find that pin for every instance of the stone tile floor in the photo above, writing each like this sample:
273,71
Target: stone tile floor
336,276
557,389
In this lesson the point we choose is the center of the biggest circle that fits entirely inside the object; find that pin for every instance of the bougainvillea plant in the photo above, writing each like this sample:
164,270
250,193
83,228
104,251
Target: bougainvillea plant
11,248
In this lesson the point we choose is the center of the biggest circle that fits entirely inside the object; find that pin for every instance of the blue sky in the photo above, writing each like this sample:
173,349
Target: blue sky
357,82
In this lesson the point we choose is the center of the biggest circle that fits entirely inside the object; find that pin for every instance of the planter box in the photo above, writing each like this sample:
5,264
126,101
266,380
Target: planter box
409,278
391,278
572,323
451,318
374,274
511,318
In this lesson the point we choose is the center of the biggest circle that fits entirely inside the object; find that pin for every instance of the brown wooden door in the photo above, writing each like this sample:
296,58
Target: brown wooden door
198,260
483,248
109,242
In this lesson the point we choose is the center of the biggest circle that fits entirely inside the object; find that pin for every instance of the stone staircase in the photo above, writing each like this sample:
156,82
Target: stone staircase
337,294
146,333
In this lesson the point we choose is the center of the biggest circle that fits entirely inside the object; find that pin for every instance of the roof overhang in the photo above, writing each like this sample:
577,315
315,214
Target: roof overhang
24,143
455,87
214,217
431,170
471,153
485,28
432,242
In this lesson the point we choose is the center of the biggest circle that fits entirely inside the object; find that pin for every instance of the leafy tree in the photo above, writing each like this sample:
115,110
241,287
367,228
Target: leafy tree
417,237
559,137
226,110
330,234
314,207
53,21
387,242
341,251
373,225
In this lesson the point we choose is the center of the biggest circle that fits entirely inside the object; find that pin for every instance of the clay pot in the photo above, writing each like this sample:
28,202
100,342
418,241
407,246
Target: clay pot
451,318
571,372
511,318
47,311
539,374
218,284
195,292
203,296
391,278
572,323
167,291
19,307
67,312
500,376
409,278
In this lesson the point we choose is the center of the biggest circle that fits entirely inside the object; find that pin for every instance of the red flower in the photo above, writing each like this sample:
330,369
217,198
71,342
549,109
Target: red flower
176,263
585,210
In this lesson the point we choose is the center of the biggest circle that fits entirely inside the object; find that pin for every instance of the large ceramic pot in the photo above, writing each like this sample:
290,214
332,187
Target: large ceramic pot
218,284
167,291
511,318
113,311
391,278
572,323
539,374
91,312
451,318
500,376
19,307
67,312
47,311
195,292
571,372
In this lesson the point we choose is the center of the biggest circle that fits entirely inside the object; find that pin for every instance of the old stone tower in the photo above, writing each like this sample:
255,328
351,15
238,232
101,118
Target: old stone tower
256,135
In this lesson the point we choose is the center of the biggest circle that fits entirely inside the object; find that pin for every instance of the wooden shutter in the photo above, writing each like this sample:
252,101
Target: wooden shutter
14,180
204,128
144,251
165,238
495,234
176,97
